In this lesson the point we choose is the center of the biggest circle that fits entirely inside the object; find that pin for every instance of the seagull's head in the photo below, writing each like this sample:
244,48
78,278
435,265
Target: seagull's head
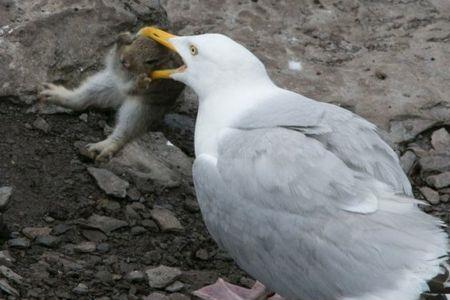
211,61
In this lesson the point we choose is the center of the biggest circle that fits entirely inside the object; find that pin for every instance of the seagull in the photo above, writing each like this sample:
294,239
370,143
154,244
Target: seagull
304,195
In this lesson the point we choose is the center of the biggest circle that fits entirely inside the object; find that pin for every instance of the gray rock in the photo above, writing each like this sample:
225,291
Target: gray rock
81,289
131,215
103,247
430,195
438,162
61,229
138,230
20,243
440,140
85,247
175,287
83,117
152,163
178,296
6,258
6,287
421,92
155,296
135,276
150,224
439,181
162,276
48,241
110,183
202,254
104,223
166,220
407,161
11,275
41,124
104,276
94,235
108,205
35,27
34,232
444,198
5,195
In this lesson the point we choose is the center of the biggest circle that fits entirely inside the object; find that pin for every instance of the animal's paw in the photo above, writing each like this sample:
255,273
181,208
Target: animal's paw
104,150
54,94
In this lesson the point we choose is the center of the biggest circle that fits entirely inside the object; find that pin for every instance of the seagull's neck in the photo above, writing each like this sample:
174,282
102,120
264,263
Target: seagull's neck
220,109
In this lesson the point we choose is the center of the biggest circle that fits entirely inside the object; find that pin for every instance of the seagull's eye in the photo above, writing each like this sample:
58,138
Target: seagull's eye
193,50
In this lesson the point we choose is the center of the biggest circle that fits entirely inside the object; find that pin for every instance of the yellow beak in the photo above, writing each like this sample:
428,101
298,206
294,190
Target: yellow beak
161,37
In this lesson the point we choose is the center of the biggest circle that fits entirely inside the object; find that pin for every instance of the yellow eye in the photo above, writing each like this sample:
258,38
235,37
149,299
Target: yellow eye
193,50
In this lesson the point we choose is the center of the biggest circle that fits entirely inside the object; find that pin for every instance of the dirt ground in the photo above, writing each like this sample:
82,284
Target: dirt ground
52,188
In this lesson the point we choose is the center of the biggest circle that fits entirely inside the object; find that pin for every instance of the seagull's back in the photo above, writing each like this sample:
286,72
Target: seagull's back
309,200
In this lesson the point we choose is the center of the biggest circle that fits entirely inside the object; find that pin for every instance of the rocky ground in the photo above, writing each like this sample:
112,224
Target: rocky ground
130,228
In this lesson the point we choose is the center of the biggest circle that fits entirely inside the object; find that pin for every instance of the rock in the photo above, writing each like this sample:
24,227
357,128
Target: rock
162,276
138,230
34,27
69,264
104,276
134,194
33,232
81,289
155,296
407,161
49,219
440,140
135,276
83,117
61,229
41,124
6,258
11,275
430,195
94,235
152,163
439,181
166,221
104,223
108,205
20,243
85,247
438,162
191,206
150,224
48,241
5,195
198,279
178,296
109,182
103,247
202,254
4,286
444,198
175,287
131,215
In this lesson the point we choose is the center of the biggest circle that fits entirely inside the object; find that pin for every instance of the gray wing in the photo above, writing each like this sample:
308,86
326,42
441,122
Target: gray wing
296,217
351,138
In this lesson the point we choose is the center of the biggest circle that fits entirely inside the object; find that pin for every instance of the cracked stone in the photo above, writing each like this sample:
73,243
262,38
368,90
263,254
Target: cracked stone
439,181
430,195
166,220
162,276
104,223
109,182
5,195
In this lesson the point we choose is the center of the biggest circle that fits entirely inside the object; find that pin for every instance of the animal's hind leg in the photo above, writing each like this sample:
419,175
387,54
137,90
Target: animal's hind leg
132,120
